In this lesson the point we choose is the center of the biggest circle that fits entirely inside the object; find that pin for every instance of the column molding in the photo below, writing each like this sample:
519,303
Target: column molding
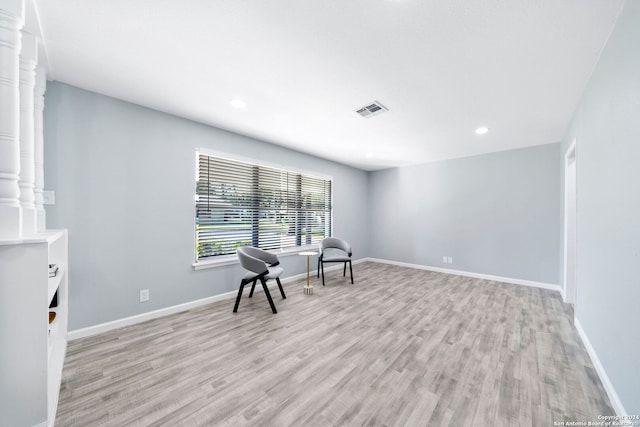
11,22
28,62
38,122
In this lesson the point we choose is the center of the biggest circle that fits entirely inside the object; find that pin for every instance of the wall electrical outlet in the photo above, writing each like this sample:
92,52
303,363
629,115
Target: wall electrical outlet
444,259
144,295
450,260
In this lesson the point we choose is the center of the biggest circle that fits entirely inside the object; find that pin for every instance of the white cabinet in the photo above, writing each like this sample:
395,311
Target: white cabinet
32,350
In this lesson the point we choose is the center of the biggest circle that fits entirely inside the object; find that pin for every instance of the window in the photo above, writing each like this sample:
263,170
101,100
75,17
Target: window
243,204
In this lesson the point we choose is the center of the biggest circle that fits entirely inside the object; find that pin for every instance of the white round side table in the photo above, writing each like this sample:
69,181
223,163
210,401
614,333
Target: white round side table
308,290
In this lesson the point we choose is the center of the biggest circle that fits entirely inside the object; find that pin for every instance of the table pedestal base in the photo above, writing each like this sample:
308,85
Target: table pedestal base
308,290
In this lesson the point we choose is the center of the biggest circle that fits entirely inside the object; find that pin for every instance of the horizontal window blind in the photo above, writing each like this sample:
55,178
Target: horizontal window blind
242,204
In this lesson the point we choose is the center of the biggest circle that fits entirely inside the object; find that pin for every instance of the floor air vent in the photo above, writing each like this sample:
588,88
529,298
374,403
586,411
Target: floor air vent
372,109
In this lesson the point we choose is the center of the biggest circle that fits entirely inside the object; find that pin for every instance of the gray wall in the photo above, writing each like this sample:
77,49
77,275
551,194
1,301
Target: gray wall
496,214
606,127
124,179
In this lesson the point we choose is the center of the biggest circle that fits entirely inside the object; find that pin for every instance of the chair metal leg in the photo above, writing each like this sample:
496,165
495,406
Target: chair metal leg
322,268
266,291
344,270
235,308
280,286
318,267
350,270
253,286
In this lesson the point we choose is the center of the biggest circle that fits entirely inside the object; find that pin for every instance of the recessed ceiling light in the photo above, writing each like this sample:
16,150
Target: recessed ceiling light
238,103
482,130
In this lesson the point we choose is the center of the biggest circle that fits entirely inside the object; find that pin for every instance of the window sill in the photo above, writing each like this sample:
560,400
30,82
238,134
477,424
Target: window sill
223,260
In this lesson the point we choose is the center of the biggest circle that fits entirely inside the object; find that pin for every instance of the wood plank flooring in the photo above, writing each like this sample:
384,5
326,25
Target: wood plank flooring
401,347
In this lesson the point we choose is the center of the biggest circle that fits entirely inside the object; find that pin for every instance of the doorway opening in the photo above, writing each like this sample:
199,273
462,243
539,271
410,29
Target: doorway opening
570,238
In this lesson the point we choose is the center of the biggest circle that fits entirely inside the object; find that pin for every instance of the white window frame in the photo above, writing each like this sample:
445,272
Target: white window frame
221,260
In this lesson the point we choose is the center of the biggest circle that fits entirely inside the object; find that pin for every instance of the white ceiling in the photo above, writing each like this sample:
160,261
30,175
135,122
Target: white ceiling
442,67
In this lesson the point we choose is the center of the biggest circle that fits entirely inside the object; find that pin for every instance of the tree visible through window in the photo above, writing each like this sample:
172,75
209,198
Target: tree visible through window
243,204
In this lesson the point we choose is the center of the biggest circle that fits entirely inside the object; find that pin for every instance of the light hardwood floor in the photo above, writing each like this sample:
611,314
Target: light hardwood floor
400,347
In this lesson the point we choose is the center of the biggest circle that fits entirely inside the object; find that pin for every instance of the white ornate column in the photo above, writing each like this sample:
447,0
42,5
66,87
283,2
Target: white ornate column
38,110
11,22
28,62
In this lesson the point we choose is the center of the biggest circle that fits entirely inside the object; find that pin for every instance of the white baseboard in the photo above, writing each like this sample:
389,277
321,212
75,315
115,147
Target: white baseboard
563,294
132,320
541,285
138,318
606,382
143,317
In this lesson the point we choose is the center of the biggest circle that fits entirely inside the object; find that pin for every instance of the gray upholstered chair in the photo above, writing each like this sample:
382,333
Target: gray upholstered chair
260,265
333,249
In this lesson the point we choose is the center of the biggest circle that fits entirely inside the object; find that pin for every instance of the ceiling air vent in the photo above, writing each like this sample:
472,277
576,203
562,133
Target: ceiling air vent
372,109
